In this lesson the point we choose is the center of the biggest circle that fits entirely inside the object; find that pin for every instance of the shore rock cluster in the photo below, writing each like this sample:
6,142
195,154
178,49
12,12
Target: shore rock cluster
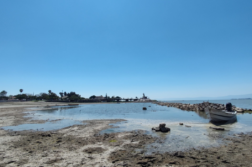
200,106
161,128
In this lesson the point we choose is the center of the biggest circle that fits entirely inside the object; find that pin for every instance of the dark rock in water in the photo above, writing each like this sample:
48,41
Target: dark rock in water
181,124
161,128
164,129
188,126
144,108
216,128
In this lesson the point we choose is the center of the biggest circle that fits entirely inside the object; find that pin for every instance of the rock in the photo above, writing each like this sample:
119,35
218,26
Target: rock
164,129
94,150
216,128
10,162
179,154
240,110
157,129
172,162
181,124
161,128
144,108
145,161
45,135
188,126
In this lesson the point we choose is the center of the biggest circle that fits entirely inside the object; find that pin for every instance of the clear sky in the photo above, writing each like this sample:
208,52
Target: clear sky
164,48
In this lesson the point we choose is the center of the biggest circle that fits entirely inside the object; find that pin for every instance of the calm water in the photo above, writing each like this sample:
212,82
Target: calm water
180,137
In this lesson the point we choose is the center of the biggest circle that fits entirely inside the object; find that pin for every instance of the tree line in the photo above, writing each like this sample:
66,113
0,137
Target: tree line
51,96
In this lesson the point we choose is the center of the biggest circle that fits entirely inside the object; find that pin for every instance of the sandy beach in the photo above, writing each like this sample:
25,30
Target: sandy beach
82,145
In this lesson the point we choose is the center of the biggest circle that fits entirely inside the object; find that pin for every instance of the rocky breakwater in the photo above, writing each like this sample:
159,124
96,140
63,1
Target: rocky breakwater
201,106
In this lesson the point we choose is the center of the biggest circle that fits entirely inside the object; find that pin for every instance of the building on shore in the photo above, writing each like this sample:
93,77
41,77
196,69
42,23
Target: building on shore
99,97
144,98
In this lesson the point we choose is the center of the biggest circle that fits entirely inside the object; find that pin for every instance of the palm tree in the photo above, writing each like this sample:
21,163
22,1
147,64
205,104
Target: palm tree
49,91
20,90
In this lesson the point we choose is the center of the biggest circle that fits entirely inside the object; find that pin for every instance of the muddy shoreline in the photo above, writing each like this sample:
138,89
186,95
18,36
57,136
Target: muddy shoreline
83,145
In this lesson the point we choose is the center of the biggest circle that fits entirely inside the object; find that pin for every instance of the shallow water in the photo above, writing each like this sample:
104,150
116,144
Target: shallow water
47,126
180,137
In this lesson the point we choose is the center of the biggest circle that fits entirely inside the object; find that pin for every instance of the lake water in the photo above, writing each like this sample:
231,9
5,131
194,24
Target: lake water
180,137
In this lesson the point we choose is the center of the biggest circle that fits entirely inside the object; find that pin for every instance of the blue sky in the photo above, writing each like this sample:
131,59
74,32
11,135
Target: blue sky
165,48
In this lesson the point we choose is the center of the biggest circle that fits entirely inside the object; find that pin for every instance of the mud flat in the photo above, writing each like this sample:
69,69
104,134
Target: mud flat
83,145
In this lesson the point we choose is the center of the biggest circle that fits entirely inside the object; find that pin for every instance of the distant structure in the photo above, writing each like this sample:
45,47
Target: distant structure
144,98
99,97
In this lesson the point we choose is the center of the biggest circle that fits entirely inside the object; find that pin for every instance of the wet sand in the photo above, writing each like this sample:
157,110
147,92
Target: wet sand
82,145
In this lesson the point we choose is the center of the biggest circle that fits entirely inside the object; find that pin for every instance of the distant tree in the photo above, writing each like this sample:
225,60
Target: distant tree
21,96
30,97
112,97
118,97
49,91
21,90
3,93
61,94
74,98
53,96
92,97
136,97
44,96
65,93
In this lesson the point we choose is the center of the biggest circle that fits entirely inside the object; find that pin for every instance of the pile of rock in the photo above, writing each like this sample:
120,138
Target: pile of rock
161,128
201,106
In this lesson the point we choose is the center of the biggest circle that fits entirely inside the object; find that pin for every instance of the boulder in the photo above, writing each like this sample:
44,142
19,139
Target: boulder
161,128
181,124
164,129
144,108
239,110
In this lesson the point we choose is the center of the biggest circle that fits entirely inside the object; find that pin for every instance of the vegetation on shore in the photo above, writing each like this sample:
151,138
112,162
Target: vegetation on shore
63,96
